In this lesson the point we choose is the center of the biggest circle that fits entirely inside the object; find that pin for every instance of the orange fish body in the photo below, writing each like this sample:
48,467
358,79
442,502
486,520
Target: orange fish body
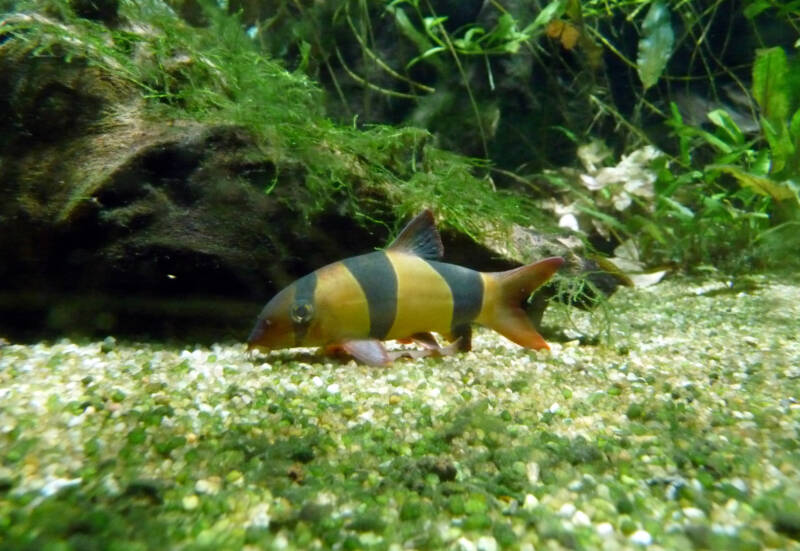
402,293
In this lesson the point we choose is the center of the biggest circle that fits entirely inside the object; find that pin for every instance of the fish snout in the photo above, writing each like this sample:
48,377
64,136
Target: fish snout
257,335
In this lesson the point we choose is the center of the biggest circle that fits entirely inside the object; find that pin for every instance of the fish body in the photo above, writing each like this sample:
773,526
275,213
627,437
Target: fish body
404,293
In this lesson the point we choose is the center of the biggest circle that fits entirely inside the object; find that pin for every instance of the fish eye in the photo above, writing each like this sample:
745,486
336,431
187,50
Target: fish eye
302,312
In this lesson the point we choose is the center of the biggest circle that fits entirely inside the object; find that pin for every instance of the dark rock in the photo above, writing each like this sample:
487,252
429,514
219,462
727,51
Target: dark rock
113,221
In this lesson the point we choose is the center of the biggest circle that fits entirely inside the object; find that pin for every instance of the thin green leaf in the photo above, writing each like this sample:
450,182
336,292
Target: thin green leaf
653,230
794,128
431,23
758,184
409,30
761,163
426,54
504,38
553,10
470,42
780,143
677,208
711,139
472,32
723,120
683,140
394,3
755,8
609,220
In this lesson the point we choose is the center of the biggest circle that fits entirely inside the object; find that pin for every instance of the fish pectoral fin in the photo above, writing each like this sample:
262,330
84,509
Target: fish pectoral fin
455,346
372,351
426,340
427,352
462,338
368,351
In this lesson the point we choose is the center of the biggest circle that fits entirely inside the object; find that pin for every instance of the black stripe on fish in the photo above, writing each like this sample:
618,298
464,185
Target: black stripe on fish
466,287
376,275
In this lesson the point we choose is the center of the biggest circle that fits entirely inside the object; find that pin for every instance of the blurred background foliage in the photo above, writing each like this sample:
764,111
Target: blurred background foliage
671,128
528,85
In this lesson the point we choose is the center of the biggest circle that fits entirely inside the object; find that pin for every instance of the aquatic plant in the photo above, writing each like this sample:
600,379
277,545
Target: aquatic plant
733,199
597,70
216,74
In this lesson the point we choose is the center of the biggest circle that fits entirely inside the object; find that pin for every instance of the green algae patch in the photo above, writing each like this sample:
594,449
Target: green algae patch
680,433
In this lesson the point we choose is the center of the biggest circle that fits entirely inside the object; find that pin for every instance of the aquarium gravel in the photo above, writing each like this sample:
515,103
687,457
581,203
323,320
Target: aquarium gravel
666,419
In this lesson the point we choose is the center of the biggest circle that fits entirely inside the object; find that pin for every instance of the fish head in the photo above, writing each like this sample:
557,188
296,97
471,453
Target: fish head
284,322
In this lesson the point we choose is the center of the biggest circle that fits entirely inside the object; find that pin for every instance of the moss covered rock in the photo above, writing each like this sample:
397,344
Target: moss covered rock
151,160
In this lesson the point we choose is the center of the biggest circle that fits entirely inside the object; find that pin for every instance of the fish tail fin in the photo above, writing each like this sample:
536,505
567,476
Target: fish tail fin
513,288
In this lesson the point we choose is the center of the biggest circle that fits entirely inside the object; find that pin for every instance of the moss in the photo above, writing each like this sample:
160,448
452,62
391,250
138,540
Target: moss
215,76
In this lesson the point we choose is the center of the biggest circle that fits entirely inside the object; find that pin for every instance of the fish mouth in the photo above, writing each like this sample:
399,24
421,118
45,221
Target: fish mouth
255,335
252,345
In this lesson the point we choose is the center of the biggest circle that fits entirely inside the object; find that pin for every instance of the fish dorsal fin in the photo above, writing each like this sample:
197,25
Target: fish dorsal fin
420,237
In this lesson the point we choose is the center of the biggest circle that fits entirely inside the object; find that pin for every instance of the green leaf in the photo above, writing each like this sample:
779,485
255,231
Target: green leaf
505,37
655,47
721,145
609,220
761,163
682,211
470,43
409,30
553,10
426,54
780,143
794,128
769,84
683,139
756,8
470,35
723,120
394,3
771,92
432,23
758,184
305,52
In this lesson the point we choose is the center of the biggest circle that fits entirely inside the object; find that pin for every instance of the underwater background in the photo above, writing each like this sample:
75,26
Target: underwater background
167,167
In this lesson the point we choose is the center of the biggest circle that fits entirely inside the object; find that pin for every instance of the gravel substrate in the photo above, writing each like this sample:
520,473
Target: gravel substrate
677,429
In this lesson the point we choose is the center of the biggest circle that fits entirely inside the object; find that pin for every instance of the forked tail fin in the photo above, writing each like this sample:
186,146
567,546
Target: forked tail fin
512,289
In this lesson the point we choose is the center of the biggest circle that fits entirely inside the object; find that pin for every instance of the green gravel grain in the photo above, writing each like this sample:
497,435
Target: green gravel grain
679,429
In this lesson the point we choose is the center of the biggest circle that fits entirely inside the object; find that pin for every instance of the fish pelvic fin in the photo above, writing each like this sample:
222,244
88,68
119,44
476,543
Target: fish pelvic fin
367,351
513,288
420,237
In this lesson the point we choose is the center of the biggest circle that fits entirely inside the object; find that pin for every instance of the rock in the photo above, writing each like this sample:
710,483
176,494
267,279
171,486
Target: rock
128,223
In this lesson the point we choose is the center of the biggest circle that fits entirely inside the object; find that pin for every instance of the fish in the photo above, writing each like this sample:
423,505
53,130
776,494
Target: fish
403,292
